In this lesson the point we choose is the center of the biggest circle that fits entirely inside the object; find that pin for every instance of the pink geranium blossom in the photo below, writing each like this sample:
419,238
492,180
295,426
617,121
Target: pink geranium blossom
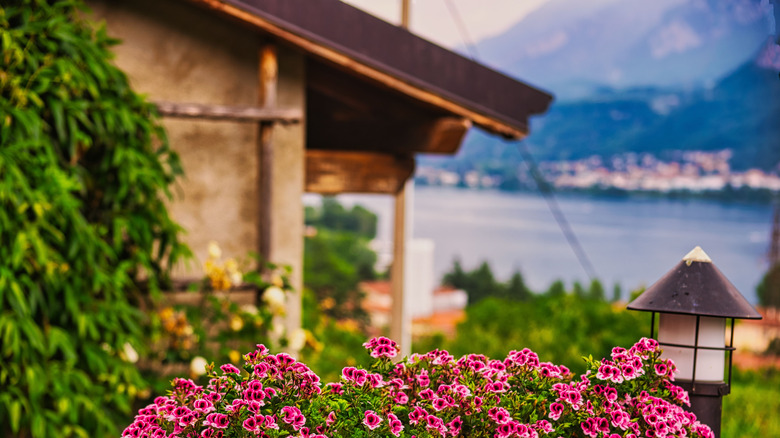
433,395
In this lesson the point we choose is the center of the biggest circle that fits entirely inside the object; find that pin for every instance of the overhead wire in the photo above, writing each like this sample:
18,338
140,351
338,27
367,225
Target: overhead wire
544,187
549,195
464,34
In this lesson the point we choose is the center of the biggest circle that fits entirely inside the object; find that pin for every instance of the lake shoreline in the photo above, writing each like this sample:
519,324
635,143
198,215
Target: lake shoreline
630,241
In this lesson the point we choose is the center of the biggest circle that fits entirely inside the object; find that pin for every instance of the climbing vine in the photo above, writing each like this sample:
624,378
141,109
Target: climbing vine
85,168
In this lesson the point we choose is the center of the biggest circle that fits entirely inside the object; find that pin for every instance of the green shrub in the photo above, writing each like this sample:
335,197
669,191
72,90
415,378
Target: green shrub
560,328
83,225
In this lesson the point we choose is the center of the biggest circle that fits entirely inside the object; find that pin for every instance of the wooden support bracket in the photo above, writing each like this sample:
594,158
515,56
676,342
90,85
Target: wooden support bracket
332,172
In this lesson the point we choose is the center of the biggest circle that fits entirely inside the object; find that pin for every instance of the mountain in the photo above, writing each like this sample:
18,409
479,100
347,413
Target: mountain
741,112
571,46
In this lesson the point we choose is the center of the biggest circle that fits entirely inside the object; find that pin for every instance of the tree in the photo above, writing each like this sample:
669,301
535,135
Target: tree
84,229
617,293
483,284
516,288
333,216
596,290
768,290
556,289
457,277
577,289
338,257
478,284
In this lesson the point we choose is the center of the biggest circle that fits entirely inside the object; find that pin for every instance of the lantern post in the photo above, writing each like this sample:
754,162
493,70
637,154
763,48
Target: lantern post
695,302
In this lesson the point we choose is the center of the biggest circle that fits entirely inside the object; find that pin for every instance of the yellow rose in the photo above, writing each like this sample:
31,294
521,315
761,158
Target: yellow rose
214,250
198,366
275,299
236,323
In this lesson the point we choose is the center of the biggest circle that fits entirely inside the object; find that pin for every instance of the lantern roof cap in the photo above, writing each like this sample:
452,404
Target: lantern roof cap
695,287
697,255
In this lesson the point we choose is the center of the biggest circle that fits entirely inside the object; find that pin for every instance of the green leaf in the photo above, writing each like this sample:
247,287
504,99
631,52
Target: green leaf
14,414
59,119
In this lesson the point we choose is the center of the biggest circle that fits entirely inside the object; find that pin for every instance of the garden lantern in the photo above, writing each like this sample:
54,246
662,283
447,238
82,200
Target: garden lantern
693,301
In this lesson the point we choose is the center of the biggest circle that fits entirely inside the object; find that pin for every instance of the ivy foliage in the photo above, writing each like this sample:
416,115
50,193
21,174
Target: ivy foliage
84,172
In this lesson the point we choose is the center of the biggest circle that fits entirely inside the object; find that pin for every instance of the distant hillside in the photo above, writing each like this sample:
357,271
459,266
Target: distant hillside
741,112
640,76
570,46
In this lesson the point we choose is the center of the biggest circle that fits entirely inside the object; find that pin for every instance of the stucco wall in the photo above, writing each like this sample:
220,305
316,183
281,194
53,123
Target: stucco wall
173,51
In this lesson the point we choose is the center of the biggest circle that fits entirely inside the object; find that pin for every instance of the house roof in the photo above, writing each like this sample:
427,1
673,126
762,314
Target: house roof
397,63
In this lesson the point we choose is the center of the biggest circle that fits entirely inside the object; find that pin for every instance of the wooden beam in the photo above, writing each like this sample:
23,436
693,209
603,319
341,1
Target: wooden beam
441,135
332,172
231,113
385,79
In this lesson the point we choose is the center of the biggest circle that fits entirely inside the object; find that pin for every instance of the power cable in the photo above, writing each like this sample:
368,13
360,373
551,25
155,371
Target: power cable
549,195
464,34
541,183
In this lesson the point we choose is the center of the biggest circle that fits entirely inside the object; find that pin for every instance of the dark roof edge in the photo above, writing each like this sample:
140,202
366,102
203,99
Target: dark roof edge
410,59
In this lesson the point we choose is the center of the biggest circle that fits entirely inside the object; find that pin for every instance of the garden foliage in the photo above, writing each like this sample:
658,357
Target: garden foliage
587,326
84,169
630,395
337,257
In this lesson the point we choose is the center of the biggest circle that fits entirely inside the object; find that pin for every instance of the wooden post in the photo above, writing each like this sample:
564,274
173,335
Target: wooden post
282,154
405,14
268,80
400,323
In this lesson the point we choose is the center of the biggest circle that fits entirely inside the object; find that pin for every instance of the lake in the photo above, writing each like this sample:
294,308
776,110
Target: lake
631,242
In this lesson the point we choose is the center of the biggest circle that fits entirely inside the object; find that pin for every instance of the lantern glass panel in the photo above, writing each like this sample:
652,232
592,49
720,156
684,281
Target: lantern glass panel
681,329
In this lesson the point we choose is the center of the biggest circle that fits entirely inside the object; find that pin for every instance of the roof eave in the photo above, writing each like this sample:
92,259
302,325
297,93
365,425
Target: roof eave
383,74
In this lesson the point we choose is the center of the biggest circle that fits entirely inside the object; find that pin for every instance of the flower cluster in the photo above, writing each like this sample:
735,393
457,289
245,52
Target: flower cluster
222,276
630,395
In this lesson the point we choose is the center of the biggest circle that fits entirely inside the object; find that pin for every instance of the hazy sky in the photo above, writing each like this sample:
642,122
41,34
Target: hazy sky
433,20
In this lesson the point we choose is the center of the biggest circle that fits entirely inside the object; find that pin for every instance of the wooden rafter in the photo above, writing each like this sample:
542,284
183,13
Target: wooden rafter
440,135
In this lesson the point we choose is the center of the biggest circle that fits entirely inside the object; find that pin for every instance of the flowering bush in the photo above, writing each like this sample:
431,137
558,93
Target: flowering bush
212,321
429,395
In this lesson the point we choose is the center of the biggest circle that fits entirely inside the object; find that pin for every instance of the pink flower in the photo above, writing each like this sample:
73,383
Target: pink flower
544,426
439,404
505,430
426,394
371,420
252,425
556,409
423,379
455,425
436,423
395,424
629,371
589,428
203,406
499,415
219,421
293,416
229,368
382,347
417,415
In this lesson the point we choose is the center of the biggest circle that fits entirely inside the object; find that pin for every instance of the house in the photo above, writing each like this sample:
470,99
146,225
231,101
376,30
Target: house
267,99
448,308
